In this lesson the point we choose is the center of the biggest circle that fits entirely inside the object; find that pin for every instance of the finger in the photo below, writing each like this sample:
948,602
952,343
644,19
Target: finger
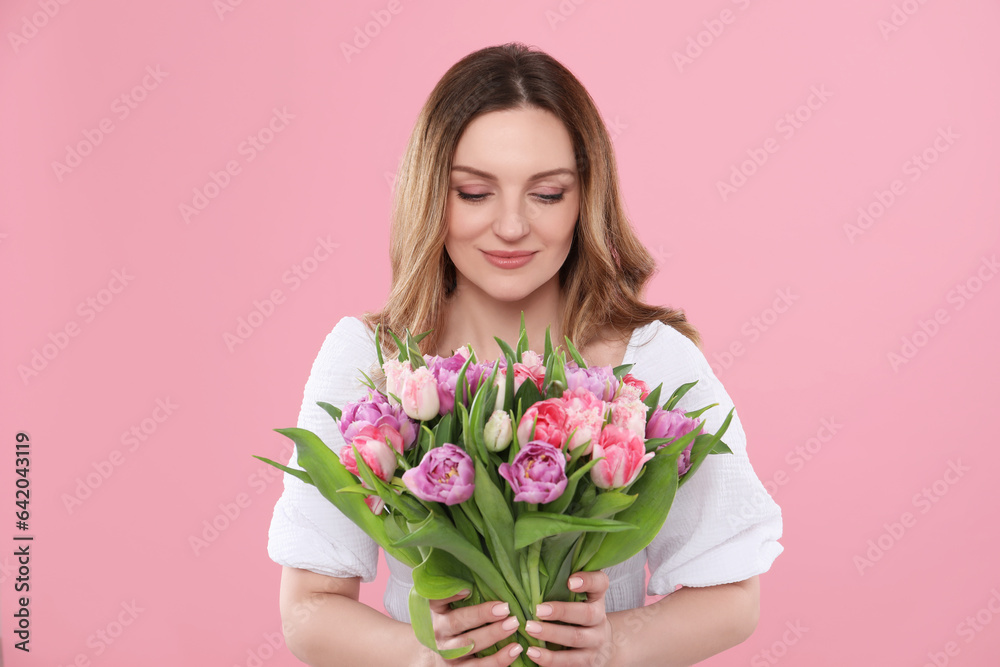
502,658
481,637
574,636
443,604
573,658
594,584
457,621
577,613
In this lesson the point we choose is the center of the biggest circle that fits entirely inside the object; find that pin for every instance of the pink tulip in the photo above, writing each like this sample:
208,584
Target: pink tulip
584,417
633,387
550,426
420,395
624,454
529,368
376,452
631,414
395,374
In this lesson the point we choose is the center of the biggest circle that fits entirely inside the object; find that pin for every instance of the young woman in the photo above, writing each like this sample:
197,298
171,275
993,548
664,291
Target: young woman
508,201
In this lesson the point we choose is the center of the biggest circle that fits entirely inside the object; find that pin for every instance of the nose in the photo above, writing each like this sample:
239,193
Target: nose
512,222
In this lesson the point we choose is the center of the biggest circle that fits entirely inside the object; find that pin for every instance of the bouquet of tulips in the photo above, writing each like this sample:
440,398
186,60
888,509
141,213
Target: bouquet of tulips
505,478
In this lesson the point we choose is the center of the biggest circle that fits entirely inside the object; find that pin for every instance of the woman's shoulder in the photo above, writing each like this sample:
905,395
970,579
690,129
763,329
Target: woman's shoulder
661,346
348,339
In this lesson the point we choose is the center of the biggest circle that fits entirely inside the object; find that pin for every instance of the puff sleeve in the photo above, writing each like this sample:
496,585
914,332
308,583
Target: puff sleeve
723,526
307,531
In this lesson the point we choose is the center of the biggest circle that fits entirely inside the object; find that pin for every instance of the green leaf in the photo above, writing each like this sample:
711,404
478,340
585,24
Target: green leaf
440,576
655,493
528,394
301,474
694,414
423,627
620,371
461,386
499,525
533,526
557,557
560,504
573,352
704,444
328,474
358,488
677,444
548,344
522,340
651,401
477,423
721,448
439,533
404,503
331,410
413,352
378,345
401,354
609,503
678,394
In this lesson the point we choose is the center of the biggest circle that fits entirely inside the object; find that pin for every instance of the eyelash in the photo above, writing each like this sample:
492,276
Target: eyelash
475,199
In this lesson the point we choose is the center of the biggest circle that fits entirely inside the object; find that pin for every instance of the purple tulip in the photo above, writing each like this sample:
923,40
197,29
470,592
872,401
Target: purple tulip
537,474
445,475
446,370
376,410
599,380
673,424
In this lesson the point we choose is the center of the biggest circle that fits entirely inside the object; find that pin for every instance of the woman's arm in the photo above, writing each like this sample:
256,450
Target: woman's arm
686,626
325,624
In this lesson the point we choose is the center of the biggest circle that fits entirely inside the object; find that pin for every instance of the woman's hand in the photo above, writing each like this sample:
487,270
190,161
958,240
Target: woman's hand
589,634
484,624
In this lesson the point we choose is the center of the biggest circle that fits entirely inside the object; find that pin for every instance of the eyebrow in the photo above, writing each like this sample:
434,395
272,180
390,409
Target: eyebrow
535,177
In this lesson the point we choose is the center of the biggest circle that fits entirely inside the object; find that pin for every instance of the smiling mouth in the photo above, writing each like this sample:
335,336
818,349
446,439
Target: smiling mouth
508,260
506,254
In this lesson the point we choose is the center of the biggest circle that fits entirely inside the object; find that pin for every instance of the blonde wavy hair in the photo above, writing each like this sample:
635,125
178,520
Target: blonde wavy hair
607,267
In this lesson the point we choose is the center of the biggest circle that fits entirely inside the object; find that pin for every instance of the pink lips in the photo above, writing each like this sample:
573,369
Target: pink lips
506,259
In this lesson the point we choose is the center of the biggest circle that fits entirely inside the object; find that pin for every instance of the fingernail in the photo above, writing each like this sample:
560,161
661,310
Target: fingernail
502,609
465,592
510,623
534,653
515,651
575,582
532,627
543,610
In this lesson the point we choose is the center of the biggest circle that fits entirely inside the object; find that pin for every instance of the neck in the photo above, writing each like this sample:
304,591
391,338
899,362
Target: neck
474,318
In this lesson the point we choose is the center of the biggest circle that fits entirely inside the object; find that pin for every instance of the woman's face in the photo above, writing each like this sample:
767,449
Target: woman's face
514,189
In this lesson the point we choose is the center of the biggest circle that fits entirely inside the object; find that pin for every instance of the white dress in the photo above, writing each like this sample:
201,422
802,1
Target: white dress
723,526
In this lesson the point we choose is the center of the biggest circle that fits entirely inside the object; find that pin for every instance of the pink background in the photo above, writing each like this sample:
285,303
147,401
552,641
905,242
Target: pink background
679,129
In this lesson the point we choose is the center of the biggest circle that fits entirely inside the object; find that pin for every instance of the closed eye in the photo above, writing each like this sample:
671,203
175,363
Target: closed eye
474,198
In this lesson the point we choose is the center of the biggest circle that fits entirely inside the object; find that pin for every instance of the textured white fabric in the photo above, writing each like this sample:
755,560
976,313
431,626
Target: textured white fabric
723,526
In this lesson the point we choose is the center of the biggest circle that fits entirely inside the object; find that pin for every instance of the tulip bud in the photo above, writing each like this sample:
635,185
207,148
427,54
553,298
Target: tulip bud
420,395
498,431
500,380
395,375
